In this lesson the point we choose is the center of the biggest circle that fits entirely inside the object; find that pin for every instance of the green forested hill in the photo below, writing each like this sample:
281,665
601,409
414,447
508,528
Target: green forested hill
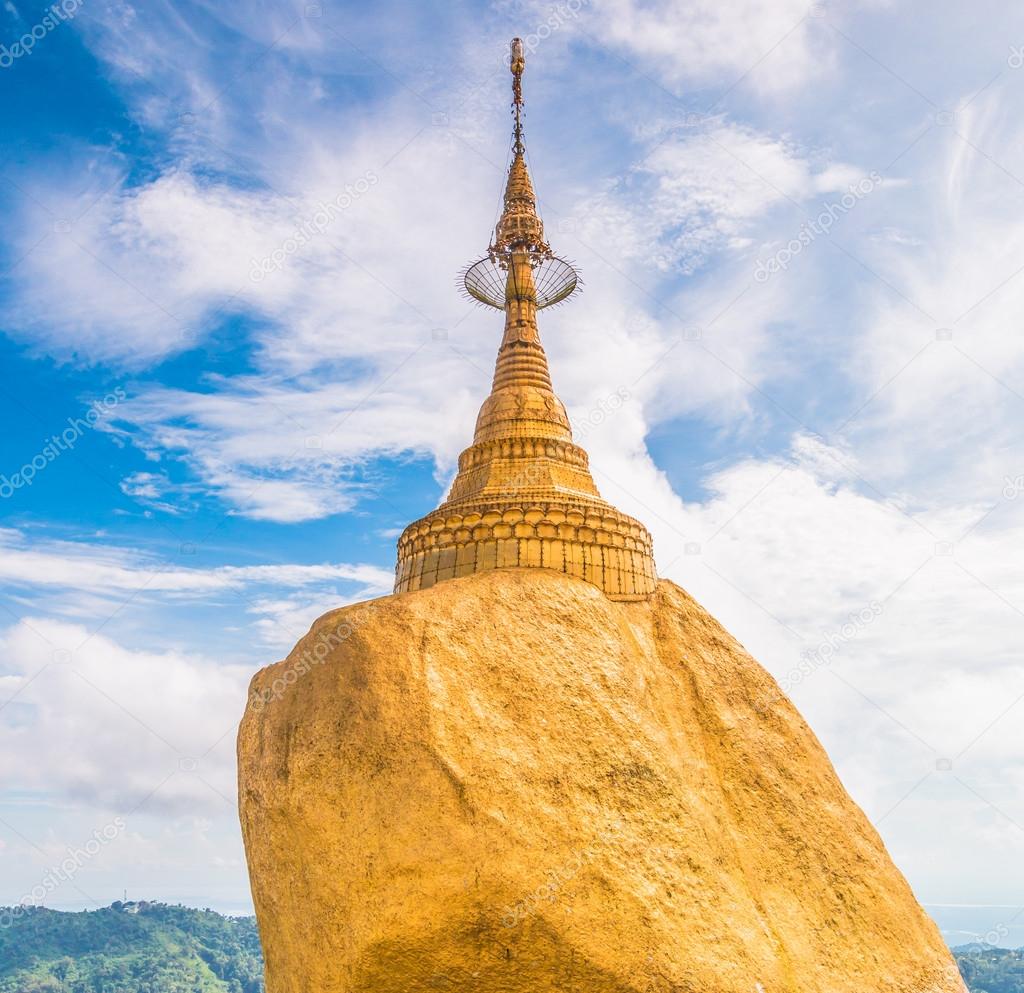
992,970
154,948
129,948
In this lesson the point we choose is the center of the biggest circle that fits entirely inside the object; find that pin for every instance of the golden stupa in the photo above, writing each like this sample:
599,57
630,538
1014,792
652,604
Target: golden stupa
514,782
524,495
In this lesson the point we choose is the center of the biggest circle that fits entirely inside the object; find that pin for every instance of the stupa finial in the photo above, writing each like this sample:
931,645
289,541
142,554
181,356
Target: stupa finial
517,63
520,228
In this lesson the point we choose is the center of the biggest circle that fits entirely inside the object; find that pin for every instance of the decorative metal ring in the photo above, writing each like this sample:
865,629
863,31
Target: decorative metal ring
555,280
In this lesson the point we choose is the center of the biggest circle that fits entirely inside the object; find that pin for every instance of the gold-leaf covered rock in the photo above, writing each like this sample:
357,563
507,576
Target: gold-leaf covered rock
510,783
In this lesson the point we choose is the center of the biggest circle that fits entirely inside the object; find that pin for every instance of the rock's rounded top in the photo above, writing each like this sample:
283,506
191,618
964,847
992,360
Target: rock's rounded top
512,782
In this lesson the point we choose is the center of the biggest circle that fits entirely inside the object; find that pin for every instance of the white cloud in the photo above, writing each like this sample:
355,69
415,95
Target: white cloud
280,617
100,568
114,728
291,449
939,366
797,555
94,584
778,45
152,489
347,365
701,190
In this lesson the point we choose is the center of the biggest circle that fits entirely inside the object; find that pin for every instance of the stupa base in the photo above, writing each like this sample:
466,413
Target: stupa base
595,543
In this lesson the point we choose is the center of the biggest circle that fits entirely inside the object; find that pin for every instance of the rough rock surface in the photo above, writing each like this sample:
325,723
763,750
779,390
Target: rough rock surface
508,783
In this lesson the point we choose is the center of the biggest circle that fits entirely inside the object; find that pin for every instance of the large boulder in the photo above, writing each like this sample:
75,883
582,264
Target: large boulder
508,783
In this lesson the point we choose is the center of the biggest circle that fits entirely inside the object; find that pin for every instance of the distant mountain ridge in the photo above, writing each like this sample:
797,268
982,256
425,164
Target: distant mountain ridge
142,947
129,948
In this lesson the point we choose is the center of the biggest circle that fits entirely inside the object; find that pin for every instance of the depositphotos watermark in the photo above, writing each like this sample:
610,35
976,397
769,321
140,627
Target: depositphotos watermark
814,659
316,655
58,444
536,473
994,937
65,872
599,413
56,14
1013,486
558,16
310,227
558,877
822,654
822,224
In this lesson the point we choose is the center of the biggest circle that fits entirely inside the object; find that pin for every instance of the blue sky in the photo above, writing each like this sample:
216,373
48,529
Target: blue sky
799,229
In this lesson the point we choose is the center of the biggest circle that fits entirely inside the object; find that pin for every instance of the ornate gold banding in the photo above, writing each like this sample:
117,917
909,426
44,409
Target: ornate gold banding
596,544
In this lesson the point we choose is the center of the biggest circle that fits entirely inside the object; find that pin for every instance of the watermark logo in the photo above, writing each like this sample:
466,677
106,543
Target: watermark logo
822,654
810,230
58,444
55,15
536,473
557,879
1013,487
599,413
994,937
317,654
65,871
309,228
558,16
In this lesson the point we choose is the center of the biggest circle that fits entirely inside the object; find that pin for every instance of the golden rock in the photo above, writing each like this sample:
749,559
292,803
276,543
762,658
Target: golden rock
510,783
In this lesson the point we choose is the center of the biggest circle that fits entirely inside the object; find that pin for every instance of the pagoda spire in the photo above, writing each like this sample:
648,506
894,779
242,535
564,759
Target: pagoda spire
517,248
517,63
524,496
